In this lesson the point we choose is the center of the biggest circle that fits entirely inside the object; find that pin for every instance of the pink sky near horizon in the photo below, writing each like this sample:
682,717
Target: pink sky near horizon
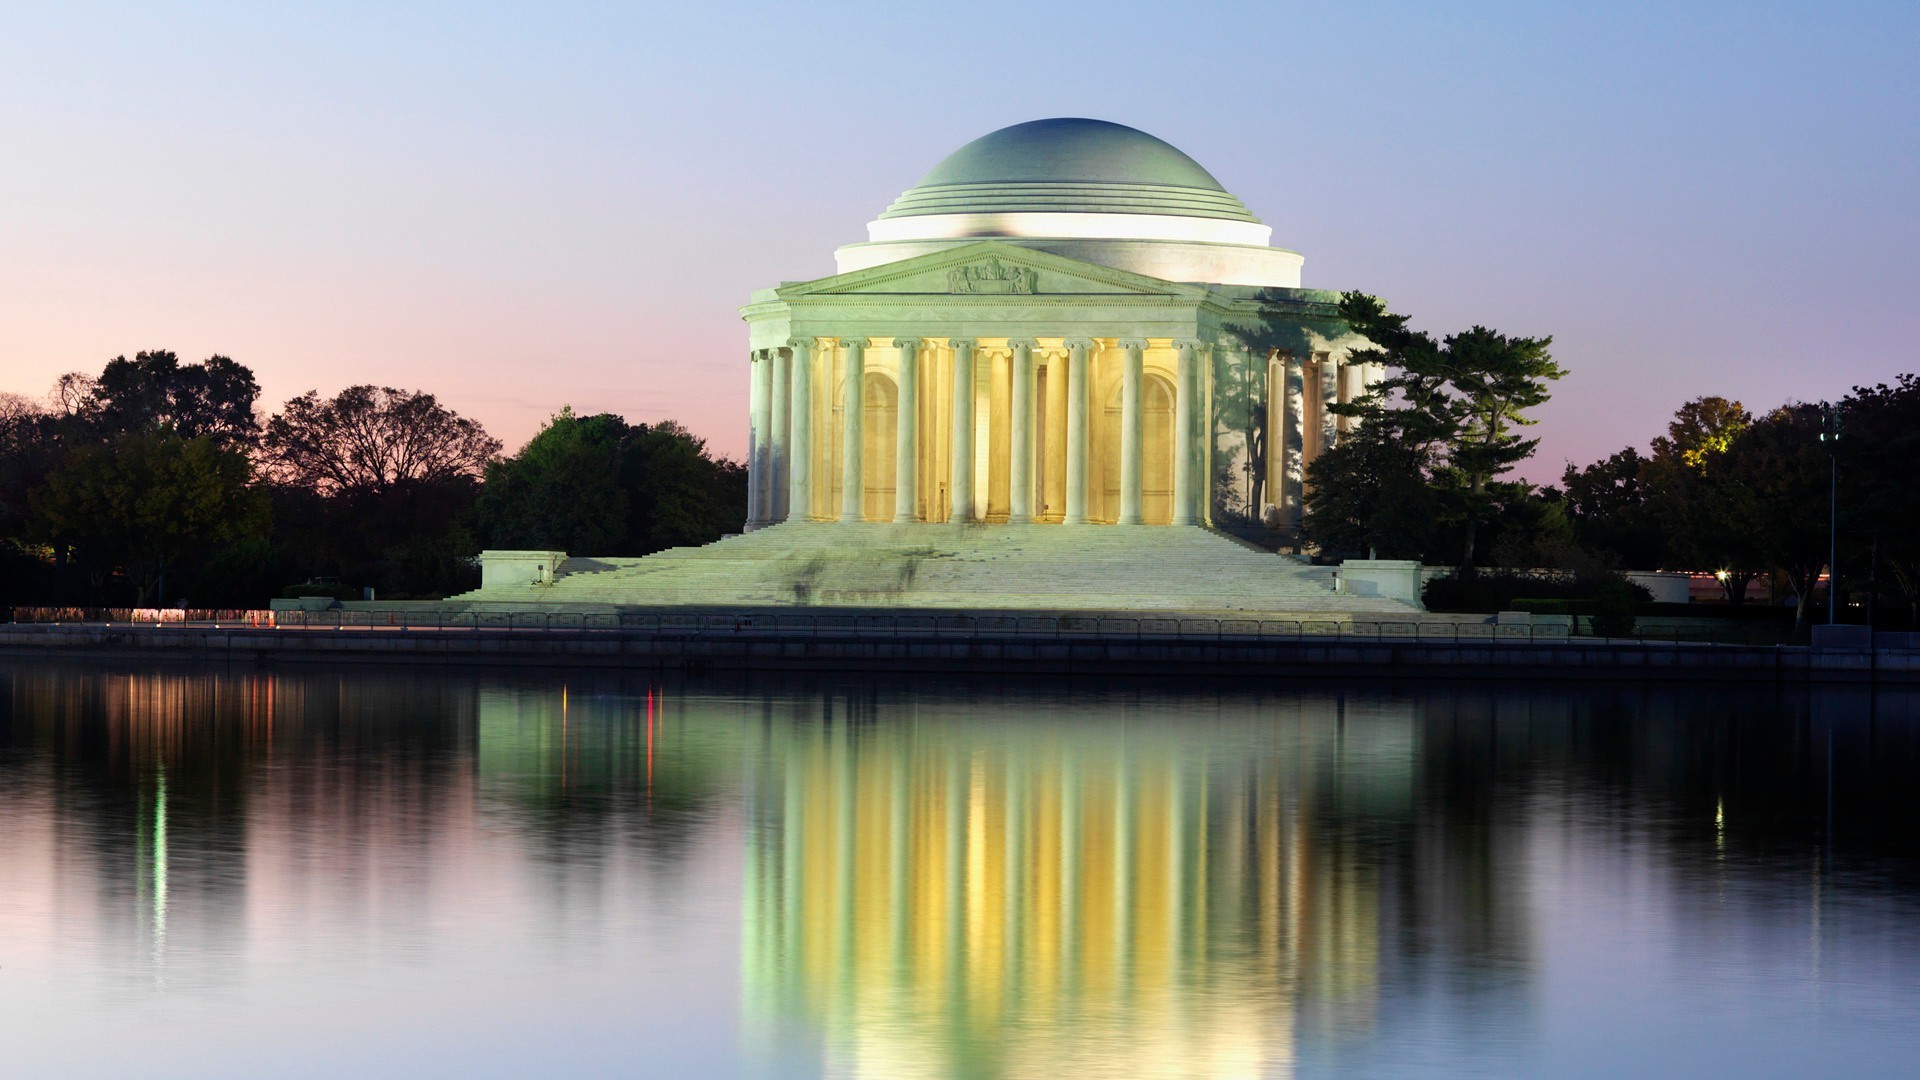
521,210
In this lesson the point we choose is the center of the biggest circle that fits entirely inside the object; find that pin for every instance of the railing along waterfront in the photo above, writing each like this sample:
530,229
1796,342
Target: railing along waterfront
890,625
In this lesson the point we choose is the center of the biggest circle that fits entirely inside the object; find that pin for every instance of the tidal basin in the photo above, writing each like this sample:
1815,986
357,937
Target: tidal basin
228,870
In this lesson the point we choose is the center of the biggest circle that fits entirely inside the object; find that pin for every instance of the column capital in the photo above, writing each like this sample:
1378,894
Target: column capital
1133,343
907,343
1022,343
1190,344
851,342
961,343
796,344
1079,343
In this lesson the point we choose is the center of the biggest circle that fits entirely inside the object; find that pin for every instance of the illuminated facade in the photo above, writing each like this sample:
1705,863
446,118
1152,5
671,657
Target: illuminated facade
1066,322
1071,339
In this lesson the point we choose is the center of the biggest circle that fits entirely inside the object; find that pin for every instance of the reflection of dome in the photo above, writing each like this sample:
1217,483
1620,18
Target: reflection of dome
1071,166
1087,189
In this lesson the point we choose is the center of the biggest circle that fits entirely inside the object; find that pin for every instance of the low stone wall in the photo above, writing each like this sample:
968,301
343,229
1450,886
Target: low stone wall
1147,650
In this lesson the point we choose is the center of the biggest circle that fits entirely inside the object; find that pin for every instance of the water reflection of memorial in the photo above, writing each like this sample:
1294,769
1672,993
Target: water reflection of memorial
1123,886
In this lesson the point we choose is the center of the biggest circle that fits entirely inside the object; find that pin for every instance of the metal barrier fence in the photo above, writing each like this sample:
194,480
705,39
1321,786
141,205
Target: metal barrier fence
871,625
1050,627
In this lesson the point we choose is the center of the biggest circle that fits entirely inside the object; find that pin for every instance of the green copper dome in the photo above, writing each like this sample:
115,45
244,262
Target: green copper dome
1068,165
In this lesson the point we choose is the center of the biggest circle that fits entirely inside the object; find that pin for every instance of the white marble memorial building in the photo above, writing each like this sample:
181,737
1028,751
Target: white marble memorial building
1066,322
1068,338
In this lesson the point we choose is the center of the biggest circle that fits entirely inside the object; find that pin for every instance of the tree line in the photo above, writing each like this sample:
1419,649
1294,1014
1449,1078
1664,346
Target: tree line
1423,474
157,481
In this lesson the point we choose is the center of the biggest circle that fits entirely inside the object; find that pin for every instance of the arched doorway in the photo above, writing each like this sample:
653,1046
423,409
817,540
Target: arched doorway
1156,451
879,425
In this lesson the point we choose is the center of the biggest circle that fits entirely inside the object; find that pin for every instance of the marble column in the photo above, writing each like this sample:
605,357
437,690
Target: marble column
1185,453
1329,395
1078,378
1130,430
962,487
1020,477
782,435
1294,431
906,463
800,460
1052,495
759,440
852,418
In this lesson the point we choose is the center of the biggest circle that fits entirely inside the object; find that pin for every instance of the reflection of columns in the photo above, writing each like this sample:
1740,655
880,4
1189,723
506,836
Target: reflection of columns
853,413
1077,349
800,459
1293,452
1020,489
782,435
906,471
1130,432
759,439
1329,395
962,487
1186,455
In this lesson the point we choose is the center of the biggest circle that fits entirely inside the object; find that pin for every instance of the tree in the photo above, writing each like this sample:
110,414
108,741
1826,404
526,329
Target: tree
1606,504
1459,402
682,494
154,391
367,440
1880,484
1780,468
1702,512
23,458
148,501
598,484
1369,493
563,491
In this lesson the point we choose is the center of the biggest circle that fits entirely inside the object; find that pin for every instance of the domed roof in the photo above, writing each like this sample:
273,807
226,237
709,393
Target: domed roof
1069,165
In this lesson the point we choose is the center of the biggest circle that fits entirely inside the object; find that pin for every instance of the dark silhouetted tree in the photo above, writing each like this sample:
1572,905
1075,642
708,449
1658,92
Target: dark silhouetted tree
367,440
149,501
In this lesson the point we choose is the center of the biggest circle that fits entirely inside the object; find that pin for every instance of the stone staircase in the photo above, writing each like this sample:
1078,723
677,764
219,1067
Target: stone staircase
1107,568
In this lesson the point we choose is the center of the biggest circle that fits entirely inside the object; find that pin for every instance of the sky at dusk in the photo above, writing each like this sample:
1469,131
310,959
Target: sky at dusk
520,207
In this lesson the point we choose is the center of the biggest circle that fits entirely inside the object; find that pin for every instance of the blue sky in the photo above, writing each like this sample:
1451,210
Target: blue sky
521,207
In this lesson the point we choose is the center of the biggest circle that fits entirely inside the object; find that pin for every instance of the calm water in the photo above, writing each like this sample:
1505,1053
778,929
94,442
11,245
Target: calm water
214,871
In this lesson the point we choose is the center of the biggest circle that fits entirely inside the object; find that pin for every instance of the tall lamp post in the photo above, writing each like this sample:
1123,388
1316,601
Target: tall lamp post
1830,436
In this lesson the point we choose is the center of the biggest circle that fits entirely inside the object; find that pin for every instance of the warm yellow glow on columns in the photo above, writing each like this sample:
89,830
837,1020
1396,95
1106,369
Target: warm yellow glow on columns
962,485
1130,432
852,412
1077,388
906,472
1185,453
1053,488
1020,499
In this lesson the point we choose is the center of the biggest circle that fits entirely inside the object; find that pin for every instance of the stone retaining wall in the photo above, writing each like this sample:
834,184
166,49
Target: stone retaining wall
1143,652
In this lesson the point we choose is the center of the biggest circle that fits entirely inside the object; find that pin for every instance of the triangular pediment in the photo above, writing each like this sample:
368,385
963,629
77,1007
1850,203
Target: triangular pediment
990,268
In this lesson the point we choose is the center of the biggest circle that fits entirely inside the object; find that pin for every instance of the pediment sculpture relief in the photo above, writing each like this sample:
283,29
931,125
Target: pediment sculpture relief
993,276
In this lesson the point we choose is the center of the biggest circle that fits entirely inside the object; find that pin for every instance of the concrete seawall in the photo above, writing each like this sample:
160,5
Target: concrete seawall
1140,653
